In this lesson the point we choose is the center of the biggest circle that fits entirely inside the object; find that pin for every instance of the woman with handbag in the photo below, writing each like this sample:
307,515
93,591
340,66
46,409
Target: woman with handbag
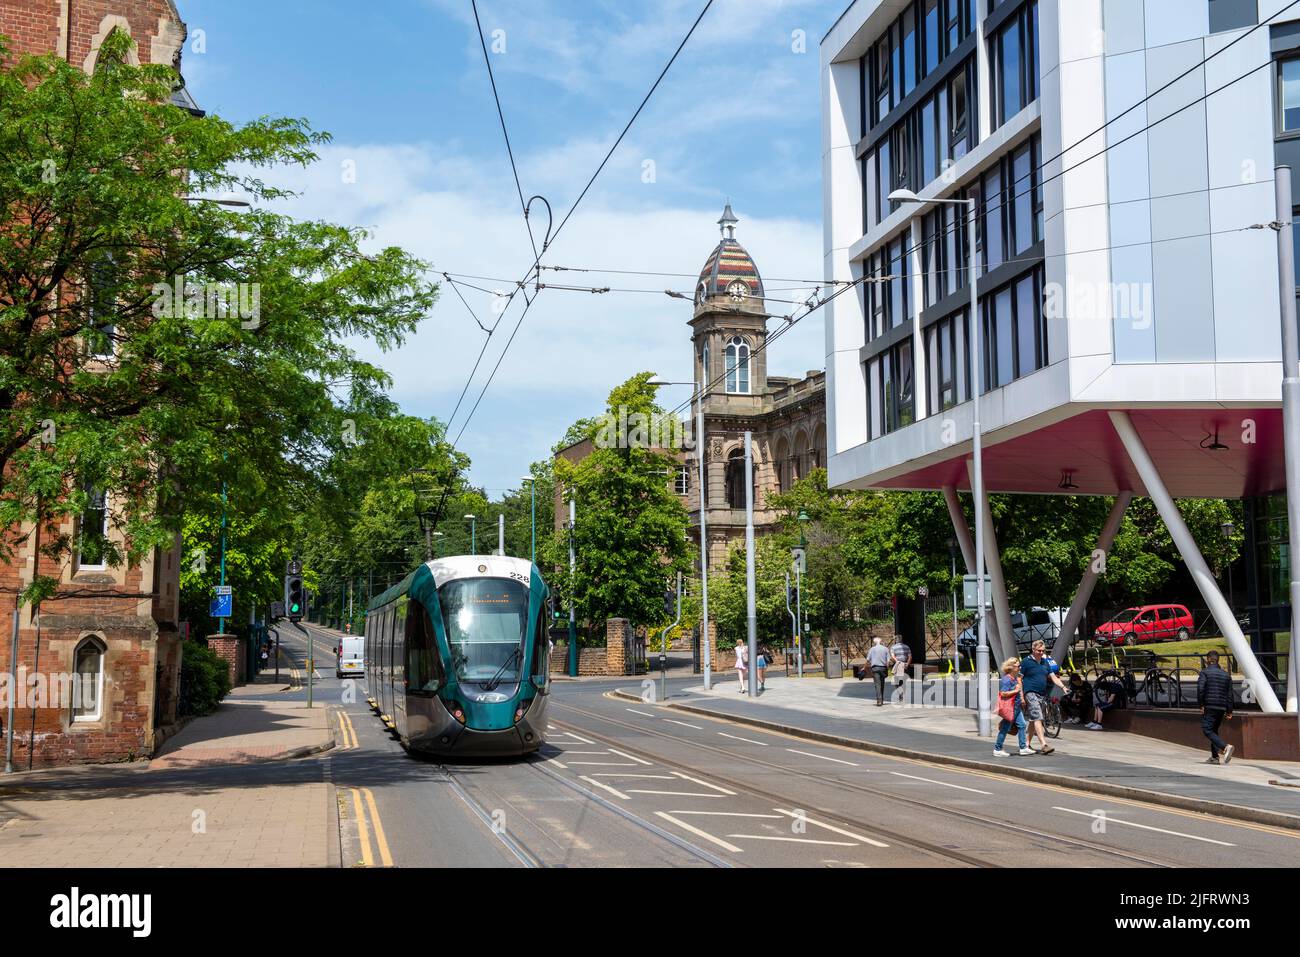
1011,696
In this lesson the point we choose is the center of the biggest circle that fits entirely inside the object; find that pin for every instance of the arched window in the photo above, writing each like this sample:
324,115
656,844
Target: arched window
738,366
704,368
92,541
735,476
88,686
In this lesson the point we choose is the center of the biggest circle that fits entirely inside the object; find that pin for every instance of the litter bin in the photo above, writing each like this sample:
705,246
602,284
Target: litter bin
832,662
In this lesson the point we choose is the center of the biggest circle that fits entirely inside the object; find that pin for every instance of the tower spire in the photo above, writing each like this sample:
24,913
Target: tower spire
727,224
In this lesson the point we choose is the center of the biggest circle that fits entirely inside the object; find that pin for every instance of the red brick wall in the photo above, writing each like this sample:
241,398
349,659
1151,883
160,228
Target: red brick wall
230,649
35,26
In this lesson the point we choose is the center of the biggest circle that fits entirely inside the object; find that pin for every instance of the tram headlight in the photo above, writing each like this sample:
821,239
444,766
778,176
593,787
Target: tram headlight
458,713
519,713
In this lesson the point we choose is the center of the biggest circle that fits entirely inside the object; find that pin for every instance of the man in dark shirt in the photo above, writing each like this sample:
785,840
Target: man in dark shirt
1035,673
1214,695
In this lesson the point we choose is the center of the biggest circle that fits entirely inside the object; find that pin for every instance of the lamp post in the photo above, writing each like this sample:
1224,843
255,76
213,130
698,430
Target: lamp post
573,619
473,542
532,485
798,593
952,556
977,452
437,546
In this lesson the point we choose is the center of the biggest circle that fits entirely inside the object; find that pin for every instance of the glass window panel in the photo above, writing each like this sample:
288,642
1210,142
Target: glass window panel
906,383
952,19
888,403
908,25
882,88
1290,95
993,219
932,51
1032,77
929,144
1009,73
932,368
1004,350
884,177
896,67
961,356
1021,189
897,305
1026,327
957,107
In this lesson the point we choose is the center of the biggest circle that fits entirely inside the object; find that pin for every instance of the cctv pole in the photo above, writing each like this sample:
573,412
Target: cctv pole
798,607
573,618
1290,414
977,480
13,686
750,614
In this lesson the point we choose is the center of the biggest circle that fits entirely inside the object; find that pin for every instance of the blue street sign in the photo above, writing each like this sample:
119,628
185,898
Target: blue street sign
221,606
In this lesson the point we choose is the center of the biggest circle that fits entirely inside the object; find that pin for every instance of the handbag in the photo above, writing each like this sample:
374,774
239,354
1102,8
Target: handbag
1007,709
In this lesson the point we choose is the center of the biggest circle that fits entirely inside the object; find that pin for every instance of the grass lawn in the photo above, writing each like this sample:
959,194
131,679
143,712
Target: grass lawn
1165,651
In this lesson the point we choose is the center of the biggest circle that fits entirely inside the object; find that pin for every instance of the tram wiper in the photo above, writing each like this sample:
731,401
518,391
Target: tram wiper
491,683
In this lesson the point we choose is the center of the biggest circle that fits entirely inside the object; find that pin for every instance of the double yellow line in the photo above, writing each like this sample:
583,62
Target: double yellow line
347,732
364,831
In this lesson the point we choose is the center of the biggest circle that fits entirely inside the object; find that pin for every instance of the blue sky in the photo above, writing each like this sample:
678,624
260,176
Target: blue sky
402,87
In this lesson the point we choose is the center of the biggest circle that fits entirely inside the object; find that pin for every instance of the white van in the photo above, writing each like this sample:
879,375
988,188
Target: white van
351,657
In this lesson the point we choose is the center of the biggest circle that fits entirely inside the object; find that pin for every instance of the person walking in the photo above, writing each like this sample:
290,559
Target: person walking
761,664
1011,696
742,664
878,662
1214,695
1035,674
900,659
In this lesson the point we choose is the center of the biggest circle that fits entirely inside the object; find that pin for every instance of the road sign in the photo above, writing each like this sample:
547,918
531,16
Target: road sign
224,590
970,598
221,606
800,559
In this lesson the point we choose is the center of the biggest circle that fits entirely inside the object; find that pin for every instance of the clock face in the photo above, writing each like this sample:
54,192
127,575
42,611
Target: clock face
738,290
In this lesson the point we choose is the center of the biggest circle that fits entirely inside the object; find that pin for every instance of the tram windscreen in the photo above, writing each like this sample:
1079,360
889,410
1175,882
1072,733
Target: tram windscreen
486,620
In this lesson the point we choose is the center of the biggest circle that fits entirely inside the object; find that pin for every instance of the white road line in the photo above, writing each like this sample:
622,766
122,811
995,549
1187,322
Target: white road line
684,724
604,787
630,757
559,764
1146,827
796,840
567,751
959,787
680,794
830,827
579,737
736,737
646,713
809,754
698,833
687,777
629,774
726,814
602,764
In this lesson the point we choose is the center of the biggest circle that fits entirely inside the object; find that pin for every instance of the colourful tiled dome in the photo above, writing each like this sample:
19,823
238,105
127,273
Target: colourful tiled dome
727,264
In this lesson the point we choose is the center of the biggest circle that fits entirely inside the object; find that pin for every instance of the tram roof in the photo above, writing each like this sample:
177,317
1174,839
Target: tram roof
453,567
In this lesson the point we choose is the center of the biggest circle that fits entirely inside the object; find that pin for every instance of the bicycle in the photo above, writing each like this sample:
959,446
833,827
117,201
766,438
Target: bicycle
1052,716
1162,689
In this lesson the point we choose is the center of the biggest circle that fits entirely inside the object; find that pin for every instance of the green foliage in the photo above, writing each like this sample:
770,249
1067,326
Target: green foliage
100,171
205,679
630,536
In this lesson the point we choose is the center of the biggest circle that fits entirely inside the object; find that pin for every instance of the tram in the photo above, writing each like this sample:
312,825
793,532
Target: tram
457,657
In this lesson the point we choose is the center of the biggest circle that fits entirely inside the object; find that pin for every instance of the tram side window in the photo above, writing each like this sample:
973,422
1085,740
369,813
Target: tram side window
423,663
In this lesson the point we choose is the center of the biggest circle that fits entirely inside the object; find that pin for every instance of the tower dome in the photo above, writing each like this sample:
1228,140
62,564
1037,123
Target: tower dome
729,270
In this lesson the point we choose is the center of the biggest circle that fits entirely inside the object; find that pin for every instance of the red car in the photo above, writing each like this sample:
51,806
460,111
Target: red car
1147,623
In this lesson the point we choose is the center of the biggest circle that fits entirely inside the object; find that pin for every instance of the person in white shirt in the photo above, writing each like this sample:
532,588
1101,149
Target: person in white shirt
742,664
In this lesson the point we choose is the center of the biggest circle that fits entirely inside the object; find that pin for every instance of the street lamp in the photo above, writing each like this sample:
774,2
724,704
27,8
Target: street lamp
798,592
532,484
437,546
473,546
952,557
977,453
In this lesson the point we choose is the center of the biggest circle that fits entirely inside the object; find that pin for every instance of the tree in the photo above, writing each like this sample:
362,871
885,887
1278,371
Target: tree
630,536
153,344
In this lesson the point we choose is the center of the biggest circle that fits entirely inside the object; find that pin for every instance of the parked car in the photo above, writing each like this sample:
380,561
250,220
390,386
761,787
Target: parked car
1144,623
1028,627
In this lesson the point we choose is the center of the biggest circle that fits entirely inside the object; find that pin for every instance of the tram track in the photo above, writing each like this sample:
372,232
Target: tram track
966,817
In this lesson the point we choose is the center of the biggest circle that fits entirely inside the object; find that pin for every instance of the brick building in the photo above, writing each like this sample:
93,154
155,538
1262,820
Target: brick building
114,628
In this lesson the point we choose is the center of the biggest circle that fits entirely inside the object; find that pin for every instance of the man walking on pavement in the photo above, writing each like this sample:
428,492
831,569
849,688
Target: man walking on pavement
1214,695
1036,671
878,662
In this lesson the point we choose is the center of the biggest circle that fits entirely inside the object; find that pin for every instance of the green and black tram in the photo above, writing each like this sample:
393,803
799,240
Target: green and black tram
457,657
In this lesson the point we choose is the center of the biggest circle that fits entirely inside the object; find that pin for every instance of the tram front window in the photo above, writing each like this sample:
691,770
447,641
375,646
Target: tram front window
486,620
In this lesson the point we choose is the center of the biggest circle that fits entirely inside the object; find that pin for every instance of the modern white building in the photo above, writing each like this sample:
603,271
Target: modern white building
1122,156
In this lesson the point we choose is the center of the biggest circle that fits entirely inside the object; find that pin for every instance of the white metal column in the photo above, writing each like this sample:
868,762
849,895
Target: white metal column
1001,607
1191,554
1089,581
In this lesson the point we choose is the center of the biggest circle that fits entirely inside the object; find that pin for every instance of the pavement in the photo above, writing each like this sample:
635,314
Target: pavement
1103,762
222,792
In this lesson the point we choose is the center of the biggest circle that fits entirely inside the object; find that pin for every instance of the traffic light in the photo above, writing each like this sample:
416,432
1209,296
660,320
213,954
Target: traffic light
295,597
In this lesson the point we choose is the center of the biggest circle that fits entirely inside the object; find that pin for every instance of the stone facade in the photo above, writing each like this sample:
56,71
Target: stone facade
116,628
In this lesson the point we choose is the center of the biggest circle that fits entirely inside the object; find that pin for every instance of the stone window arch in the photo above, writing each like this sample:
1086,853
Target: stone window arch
783,464
88,662
738,366
110,23
800,455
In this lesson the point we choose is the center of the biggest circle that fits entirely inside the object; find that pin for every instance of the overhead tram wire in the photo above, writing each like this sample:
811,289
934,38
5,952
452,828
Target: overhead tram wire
555,235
